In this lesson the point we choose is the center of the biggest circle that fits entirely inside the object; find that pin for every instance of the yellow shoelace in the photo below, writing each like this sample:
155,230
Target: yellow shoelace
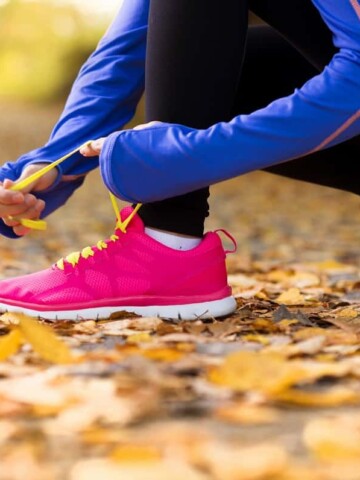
87,252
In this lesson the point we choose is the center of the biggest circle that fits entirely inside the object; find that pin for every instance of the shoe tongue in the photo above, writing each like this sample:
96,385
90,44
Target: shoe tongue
135,223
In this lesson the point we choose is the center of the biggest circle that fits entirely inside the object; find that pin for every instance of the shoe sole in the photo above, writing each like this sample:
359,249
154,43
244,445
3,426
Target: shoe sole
194,311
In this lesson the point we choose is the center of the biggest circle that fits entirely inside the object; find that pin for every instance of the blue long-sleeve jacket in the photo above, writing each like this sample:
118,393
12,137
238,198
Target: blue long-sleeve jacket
170,160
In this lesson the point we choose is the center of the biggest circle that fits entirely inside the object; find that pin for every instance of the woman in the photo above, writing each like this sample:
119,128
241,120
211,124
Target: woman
196,76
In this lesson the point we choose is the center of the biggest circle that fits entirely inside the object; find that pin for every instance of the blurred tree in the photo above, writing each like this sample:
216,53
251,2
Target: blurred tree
42,47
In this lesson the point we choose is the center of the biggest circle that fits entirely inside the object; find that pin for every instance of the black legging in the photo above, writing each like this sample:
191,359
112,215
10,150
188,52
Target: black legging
199,72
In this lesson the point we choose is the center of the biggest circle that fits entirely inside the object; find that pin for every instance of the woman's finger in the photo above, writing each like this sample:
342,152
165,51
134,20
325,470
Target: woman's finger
34,212
31,212
21,231
93,149
11,222
8,197
148,125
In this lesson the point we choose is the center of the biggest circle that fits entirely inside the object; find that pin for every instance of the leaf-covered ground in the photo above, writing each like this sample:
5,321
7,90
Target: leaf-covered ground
272,392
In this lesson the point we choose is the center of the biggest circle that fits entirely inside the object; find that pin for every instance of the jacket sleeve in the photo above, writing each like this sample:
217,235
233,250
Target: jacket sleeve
169,160
103,99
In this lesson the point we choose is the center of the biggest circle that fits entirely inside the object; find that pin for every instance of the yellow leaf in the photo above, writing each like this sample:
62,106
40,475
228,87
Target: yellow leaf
43,411
139,338
332,398
279,276
136,453
264,324
267,373
348,313
44,341
291,297
262,296
101,435
9,344
284,325
252,337
309,332
270,373
163,354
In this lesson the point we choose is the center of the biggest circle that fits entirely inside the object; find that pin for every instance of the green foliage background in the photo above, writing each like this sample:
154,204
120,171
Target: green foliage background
42,48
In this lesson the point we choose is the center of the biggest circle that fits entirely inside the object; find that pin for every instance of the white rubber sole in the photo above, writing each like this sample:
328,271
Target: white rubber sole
194,311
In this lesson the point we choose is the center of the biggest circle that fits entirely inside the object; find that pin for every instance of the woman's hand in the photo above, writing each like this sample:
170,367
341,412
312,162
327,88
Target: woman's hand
94,148
23,204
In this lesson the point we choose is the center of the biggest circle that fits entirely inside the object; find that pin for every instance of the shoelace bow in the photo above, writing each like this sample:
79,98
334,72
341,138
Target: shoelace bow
87,252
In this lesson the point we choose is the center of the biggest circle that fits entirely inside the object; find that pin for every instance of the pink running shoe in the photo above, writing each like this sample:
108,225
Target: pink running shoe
129,272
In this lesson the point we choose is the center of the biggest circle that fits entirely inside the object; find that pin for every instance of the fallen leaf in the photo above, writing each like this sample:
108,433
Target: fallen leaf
163,354
248,293
145,323
285,325
333,397
279,276
10,343
245,414
270,373
139,338
89,327
283,313
44,341
291,297
252,337
348,313
136,453
349,326
114,328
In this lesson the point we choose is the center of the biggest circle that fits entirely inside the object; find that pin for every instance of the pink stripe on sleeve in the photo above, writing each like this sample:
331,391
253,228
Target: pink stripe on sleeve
338,132
356,6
